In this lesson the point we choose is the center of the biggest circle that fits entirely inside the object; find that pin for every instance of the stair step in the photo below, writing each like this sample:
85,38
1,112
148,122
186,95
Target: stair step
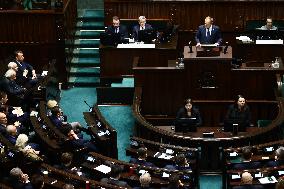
86,53
99,25
87,43
91,14
87,34
85,71
85,62
84,81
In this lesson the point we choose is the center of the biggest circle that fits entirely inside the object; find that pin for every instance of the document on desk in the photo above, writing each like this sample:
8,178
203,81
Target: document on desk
136,45
165,156
269,42
267,180
103,168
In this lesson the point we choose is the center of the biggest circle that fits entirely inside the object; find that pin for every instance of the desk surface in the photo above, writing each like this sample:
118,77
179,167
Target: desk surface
192,56
218,133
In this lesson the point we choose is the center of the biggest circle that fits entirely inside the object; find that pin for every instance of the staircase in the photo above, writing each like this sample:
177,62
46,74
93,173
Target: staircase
85,64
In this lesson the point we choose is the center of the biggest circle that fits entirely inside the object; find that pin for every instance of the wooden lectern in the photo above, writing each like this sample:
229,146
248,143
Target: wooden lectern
208,71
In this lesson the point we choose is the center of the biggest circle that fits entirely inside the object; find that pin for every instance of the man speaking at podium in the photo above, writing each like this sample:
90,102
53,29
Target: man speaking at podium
208,33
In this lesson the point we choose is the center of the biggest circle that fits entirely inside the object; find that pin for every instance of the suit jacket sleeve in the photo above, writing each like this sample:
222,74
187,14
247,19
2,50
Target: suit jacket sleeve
198,35
135,32
123,31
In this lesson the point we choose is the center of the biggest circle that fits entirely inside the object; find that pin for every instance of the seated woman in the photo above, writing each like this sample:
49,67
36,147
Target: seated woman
27,149
188,115
238,113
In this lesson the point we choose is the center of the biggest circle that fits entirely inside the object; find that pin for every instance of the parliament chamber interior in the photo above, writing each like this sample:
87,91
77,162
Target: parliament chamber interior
142,94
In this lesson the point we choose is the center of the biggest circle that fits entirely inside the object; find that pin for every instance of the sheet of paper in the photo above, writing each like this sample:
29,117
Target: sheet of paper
103,168
267,180
165,156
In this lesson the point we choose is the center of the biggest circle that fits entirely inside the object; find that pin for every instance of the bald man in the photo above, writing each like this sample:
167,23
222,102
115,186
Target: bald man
208,33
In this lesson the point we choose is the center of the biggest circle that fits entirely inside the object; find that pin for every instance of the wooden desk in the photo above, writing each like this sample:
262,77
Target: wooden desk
218,133
118,62
107,143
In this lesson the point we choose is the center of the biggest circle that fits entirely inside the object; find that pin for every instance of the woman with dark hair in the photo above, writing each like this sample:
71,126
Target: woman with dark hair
238,113
188,111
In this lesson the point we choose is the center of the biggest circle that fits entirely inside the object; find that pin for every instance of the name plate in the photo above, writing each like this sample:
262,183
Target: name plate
269,42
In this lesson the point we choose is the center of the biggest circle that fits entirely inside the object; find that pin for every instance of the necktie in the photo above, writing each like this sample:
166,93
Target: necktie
142,28
208,33
116,30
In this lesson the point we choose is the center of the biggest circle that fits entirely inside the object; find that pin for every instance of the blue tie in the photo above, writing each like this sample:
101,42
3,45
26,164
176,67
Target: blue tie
207,36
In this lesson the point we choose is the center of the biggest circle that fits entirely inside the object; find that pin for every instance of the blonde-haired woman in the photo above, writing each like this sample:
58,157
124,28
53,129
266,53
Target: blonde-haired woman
28,151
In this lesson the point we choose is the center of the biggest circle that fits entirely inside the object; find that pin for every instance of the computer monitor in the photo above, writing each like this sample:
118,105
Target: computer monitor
147,35
186,125
110,39
235,126
267,34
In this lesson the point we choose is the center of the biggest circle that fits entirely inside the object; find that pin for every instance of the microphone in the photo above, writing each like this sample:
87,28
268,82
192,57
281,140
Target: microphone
226,48
190,47
90,108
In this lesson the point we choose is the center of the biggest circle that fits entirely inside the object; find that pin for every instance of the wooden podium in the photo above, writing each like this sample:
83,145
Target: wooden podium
208,71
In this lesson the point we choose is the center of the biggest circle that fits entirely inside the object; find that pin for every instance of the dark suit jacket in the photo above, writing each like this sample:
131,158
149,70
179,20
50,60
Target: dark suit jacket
215,36
12,139
2,129
141,162
122,31
136,29
56,121
11,87
114,182
24,66
249,186
27,82
19,185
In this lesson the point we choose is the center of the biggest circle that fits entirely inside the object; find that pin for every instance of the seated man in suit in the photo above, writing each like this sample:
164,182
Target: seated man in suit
114,177
246,181
9,85
279,158
75,142
208,33
26,70
117,28
12,134
19,180
58,120
246,161
180,163
142,26
268,25
142,156
13,113
3,123
145,180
